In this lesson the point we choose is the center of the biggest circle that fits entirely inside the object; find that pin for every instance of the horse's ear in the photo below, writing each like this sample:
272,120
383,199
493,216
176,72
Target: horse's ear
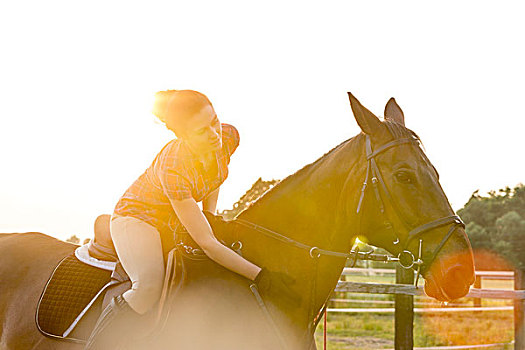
393,112
368,122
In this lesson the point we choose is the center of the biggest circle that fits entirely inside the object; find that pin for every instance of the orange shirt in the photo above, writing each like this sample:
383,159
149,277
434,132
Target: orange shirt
175,173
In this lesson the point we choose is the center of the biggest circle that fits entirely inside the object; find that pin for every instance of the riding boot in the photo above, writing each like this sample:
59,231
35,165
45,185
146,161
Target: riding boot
112,325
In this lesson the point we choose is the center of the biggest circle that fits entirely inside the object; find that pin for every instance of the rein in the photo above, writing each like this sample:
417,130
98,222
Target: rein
315,252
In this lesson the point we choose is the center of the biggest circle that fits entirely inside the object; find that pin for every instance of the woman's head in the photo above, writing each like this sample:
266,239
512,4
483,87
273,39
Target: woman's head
190,115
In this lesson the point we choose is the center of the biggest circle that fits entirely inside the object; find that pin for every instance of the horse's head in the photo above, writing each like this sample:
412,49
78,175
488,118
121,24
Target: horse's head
403,206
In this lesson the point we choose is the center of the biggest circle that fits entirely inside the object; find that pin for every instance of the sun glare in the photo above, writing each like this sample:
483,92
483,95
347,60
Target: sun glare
486,326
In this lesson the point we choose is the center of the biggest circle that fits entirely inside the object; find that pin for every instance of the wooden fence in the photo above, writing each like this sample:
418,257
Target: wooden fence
404,293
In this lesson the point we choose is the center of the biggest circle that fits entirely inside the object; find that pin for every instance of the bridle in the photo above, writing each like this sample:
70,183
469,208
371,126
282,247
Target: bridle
405,258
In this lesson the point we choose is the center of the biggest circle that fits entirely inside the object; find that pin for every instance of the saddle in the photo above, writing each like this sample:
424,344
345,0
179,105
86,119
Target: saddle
84,282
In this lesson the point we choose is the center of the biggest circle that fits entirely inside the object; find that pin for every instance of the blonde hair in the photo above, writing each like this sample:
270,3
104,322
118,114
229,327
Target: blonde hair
182,100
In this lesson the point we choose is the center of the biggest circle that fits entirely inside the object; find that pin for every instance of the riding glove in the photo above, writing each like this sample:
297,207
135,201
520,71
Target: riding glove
276,285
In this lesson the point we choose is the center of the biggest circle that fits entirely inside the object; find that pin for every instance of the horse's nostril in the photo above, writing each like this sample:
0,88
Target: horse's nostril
455,275
456,282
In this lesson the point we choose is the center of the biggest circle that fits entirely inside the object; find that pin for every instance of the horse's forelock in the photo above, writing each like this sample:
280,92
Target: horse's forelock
399,131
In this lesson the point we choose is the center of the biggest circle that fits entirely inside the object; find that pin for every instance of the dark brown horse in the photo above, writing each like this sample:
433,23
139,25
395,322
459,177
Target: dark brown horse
324,205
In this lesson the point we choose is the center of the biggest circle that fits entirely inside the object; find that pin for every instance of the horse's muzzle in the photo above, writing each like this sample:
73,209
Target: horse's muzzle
450,277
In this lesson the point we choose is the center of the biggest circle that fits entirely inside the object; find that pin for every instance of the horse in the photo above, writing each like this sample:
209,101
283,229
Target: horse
378,185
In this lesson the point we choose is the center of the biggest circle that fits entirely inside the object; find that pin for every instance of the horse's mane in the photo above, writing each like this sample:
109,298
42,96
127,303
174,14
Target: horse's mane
398,131
281,184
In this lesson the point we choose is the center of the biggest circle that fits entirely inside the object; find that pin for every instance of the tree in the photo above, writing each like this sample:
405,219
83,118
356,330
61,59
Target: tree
497,223
73,239
479,235
510,229
258,189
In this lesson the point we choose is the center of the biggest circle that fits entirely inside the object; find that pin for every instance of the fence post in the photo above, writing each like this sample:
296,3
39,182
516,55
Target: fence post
477,284
519,309
404,312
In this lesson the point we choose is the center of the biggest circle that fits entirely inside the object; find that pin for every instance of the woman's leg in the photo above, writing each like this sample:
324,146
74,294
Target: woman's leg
139,249
140,252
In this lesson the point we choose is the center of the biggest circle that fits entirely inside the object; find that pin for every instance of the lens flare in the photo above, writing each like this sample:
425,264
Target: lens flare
469,327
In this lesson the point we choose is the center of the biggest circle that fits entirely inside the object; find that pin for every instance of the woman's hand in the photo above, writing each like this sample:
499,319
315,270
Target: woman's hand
191,216
277,285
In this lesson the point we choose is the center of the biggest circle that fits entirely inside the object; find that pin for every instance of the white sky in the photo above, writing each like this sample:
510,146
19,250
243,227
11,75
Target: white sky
77,80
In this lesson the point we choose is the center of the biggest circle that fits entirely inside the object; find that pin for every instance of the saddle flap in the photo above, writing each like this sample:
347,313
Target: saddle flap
72,288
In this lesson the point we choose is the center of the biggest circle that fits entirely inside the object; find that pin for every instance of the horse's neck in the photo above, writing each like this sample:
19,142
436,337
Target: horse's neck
307,205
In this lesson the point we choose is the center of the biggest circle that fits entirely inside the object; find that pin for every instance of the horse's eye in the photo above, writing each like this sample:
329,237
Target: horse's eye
404,177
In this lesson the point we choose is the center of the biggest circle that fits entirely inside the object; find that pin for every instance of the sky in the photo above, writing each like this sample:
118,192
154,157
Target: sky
77,81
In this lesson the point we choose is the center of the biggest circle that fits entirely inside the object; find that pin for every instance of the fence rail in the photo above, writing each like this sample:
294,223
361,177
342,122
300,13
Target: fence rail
420,310
404,303
493,275
408,289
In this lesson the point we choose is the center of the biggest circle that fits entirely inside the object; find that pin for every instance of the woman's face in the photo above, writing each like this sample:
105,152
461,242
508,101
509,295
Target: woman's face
204,132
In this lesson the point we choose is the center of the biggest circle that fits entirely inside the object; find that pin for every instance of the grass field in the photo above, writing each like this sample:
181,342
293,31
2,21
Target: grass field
376,331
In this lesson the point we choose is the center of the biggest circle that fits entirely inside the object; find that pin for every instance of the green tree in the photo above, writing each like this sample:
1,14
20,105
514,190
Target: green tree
258,189
510,229
479,235
496,222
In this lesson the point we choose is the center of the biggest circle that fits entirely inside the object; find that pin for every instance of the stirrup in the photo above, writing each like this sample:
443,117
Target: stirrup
109,330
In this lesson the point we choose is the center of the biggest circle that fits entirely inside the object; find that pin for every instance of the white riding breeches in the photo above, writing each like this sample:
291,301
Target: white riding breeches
139,249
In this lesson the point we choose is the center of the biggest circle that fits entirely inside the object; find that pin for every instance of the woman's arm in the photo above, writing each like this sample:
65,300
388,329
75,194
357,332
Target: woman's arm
198,227
210,203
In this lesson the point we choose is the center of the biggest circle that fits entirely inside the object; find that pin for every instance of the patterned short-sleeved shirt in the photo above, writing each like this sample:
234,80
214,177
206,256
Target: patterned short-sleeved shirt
175,173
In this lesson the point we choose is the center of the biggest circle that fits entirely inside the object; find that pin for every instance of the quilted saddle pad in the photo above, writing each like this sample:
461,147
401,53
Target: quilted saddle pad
70,289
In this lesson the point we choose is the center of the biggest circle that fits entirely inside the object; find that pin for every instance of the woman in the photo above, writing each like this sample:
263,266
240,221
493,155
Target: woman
187,170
